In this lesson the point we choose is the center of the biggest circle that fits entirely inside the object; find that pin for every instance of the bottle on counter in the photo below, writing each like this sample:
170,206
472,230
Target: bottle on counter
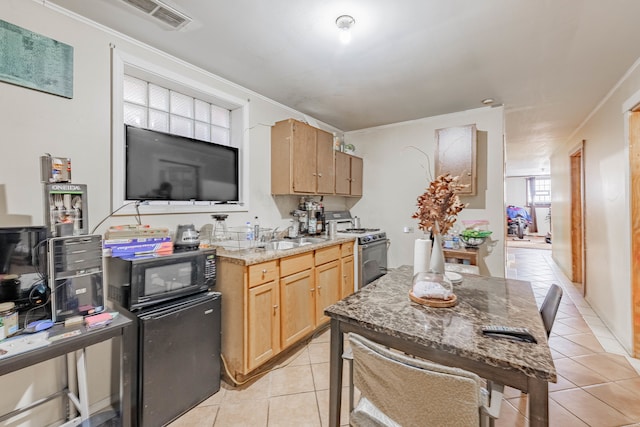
256,229
249,230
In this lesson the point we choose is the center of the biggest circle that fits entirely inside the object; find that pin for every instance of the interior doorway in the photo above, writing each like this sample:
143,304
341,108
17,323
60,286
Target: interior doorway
577,222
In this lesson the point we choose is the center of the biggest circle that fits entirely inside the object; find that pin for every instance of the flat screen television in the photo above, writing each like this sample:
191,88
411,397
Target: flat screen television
161,166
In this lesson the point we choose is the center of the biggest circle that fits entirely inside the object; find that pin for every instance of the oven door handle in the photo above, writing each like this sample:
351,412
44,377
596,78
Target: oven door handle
375,243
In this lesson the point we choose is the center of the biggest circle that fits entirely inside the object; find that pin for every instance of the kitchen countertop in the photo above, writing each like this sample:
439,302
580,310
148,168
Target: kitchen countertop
385,305
383,312
258,255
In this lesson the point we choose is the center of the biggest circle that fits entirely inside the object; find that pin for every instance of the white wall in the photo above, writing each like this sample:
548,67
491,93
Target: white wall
606,219
33,123
396,173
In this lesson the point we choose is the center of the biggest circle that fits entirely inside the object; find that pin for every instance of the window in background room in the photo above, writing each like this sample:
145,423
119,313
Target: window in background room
154,107
539,191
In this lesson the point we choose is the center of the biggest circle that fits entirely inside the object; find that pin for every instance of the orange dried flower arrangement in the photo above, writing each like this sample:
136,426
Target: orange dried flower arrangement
439,206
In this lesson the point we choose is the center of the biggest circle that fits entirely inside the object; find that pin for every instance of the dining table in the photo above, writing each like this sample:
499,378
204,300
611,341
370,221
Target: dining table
384,312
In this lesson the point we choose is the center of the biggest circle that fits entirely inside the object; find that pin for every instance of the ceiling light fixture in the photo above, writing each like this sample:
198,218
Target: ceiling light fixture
344,23
488,101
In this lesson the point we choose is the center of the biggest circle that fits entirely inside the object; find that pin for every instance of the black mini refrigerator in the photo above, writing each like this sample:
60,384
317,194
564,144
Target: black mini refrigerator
179,357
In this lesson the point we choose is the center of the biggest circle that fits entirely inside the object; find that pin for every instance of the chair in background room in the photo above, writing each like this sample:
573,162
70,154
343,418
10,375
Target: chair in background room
549,307
398,390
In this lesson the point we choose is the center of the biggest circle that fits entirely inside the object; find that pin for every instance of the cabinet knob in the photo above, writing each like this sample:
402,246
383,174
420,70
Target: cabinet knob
313,289
264,271
320,175
314,174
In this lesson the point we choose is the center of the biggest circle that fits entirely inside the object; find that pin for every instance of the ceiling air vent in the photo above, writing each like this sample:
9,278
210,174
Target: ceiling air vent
160,12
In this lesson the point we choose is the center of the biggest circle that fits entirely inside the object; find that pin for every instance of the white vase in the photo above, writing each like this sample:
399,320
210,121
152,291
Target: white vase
421,256
436,263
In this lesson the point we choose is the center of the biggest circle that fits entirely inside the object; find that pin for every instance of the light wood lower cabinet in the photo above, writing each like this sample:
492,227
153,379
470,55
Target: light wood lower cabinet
263,323
347,283
270,306
296,298
327,289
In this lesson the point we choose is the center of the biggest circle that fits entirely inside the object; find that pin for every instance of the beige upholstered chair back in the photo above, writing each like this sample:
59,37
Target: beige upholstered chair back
414,392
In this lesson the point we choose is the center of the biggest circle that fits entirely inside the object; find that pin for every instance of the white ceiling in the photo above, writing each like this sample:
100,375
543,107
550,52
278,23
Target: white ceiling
549,62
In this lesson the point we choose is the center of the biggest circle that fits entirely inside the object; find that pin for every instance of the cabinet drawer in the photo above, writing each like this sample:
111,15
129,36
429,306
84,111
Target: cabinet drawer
325,255
296,263
262,273
347,249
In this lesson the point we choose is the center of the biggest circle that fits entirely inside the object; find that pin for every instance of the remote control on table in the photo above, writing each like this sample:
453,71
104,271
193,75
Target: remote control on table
517,334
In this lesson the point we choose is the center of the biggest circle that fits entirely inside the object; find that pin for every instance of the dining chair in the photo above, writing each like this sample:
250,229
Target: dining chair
398,390
549,307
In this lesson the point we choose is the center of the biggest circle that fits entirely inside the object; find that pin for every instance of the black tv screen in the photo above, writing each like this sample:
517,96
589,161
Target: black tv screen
161,166
23,252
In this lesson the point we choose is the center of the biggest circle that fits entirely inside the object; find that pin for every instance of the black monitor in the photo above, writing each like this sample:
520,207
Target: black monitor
23,252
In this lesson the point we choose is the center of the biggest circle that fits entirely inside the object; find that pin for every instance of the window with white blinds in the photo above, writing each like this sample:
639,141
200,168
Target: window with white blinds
148,105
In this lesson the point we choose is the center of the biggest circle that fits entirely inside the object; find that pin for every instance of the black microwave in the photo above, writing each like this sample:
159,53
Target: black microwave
142,281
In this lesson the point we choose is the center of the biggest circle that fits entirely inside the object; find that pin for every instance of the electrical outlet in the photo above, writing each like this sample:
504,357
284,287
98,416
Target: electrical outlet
407,230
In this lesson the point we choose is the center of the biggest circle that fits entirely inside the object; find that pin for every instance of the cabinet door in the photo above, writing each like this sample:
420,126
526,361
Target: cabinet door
263,324
456,154
296,302
347,276
327,289
325,167
304,164
356,176
343,173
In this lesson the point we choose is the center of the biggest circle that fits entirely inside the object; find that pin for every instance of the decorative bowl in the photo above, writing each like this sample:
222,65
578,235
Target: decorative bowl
473,242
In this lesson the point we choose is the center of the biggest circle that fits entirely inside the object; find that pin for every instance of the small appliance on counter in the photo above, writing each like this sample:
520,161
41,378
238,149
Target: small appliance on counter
310,214
187,238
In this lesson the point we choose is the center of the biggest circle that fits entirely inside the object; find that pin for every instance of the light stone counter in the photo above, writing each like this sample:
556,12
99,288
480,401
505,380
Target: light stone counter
258,255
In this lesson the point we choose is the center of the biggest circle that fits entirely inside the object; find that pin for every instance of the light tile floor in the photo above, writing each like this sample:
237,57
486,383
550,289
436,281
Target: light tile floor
598,384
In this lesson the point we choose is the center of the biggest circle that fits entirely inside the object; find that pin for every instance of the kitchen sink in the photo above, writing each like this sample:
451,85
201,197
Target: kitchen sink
280,245
309,240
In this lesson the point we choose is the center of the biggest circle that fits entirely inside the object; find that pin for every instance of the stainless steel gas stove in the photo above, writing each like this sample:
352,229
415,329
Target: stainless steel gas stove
371,244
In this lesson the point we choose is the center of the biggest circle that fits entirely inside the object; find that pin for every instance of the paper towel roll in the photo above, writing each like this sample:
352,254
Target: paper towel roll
421,255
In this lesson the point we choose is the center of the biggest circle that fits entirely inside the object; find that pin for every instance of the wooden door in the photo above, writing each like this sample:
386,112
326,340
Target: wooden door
327,289
347,276
297,307
634,158
577,224
303,141
263,324
325,164
356,176
343,173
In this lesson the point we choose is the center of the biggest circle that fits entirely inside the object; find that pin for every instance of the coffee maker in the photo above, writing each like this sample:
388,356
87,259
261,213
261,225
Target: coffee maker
311,216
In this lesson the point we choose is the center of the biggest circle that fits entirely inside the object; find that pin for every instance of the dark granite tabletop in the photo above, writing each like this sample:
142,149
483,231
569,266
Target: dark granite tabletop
384,306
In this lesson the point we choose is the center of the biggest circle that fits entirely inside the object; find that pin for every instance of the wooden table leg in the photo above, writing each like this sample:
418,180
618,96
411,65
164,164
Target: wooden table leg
538,403
335,373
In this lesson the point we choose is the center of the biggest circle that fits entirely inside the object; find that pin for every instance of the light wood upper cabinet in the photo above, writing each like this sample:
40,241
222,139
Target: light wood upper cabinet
301,159
348,174
456,154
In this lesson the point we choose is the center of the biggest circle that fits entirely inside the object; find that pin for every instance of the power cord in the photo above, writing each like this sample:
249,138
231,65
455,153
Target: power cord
137,203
